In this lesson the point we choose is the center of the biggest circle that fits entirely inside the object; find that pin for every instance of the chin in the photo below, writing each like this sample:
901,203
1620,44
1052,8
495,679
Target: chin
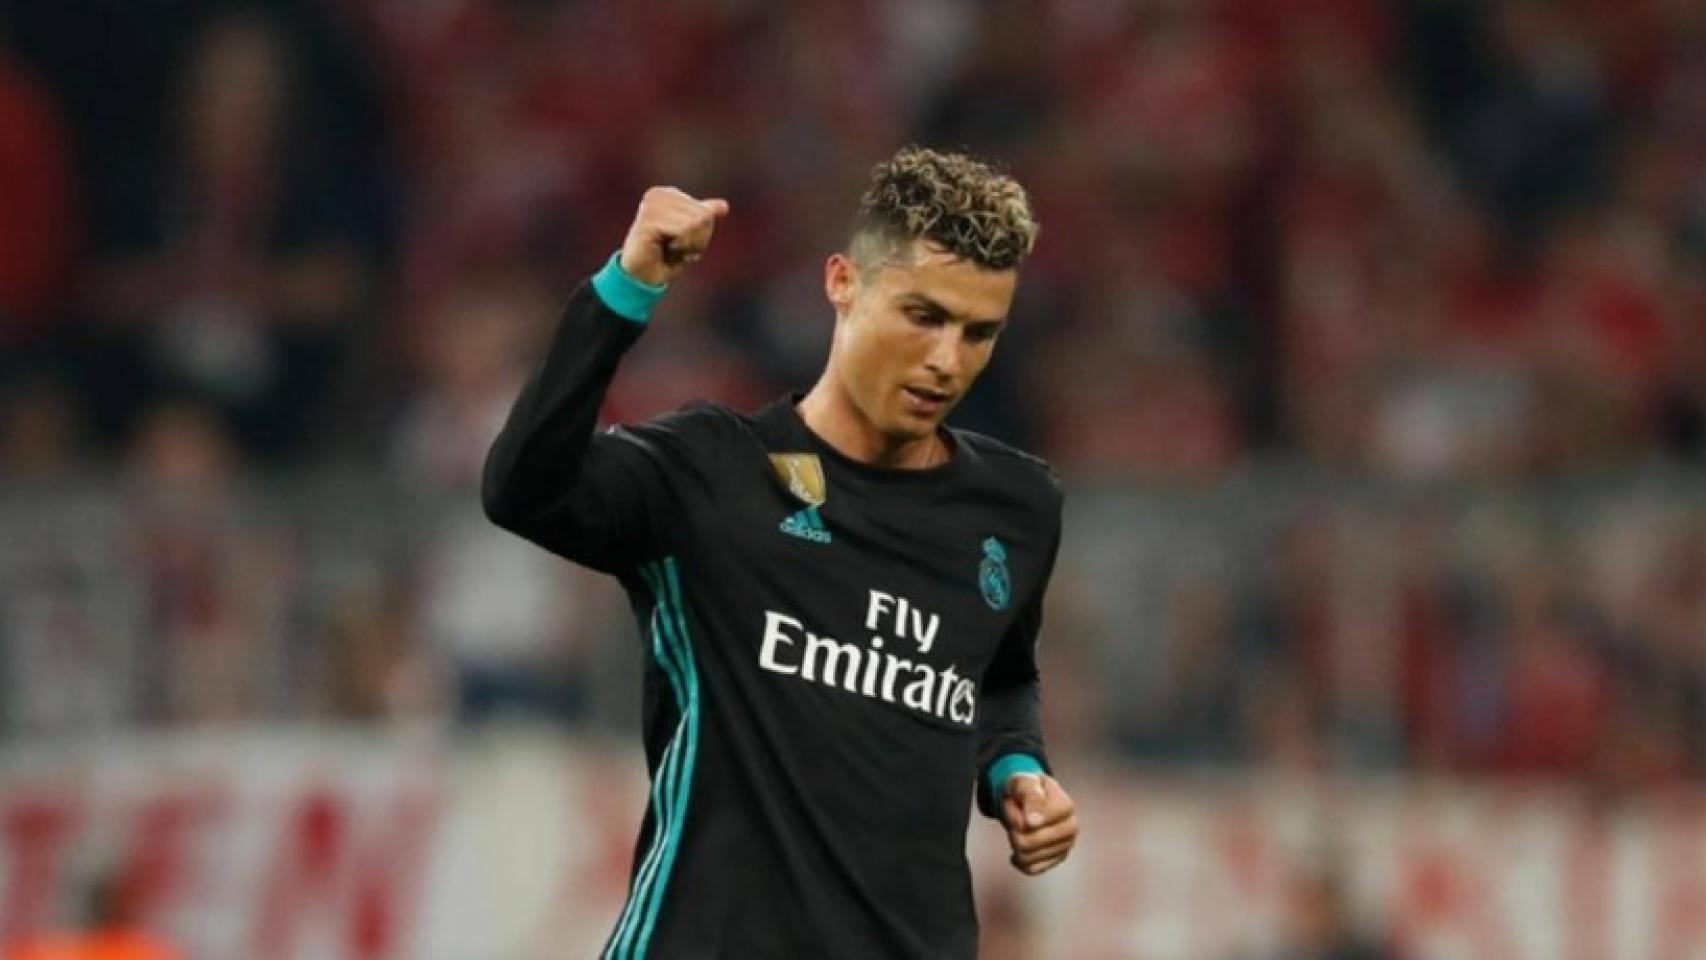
906,429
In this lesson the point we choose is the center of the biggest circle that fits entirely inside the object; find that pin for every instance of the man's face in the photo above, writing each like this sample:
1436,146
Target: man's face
912,336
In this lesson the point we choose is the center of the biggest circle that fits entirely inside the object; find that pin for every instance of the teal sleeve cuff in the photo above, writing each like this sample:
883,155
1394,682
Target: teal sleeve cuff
624,295
1007,766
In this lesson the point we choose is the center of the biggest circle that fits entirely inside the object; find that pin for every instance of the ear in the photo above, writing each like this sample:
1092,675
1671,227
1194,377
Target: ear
840,280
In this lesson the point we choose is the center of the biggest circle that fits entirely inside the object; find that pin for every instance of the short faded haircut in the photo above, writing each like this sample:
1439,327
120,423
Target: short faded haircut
951,201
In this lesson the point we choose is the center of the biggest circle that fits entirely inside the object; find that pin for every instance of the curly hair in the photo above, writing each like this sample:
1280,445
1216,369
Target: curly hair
950,200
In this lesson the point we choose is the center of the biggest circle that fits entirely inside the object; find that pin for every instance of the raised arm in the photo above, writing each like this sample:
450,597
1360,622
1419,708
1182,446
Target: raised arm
596,498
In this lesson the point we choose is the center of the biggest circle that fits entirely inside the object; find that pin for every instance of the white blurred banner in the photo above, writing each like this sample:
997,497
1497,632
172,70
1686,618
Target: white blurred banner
515,847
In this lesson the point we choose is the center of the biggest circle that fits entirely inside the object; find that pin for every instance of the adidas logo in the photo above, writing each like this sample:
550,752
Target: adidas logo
806,525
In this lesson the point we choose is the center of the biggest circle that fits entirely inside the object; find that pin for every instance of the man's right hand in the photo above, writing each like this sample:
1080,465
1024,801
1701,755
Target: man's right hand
670,231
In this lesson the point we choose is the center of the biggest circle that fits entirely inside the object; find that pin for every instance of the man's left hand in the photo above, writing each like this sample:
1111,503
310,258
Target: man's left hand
1041,823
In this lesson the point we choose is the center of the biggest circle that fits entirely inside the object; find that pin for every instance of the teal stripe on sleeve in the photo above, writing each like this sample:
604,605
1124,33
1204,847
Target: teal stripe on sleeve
625,295
685,649
661,794
1007,766
666,781
673,781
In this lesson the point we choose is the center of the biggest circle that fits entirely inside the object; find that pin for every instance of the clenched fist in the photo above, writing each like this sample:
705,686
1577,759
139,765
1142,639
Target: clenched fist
670,231
1040,819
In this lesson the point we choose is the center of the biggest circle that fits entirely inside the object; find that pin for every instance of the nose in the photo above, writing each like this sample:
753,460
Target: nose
944,358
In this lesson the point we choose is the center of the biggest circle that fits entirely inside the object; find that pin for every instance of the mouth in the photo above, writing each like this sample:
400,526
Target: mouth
927,400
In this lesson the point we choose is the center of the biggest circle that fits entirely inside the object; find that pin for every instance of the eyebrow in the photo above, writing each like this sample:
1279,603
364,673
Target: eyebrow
935,306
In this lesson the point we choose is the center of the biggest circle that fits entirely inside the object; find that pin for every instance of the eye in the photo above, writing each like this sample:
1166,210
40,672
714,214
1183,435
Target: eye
983,332
923,317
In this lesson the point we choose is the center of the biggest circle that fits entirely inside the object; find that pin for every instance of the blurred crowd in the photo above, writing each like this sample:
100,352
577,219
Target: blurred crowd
1292,623
256,256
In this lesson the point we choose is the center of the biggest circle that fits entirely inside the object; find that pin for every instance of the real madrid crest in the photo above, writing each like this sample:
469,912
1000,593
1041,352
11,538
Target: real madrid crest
802,475
992,577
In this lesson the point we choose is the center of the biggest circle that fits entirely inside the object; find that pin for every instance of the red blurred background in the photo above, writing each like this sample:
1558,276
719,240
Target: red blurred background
1370,338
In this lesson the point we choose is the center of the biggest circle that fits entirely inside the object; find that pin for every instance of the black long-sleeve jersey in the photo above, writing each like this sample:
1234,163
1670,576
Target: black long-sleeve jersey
838,654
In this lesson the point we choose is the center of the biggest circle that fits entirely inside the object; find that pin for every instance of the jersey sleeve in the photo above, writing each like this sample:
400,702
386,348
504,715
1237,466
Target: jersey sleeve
1009,722
601,498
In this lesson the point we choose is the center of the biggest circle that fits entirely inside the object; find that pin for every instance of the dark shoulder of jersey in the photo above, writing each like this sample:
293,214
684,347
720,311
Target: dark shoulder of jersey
1033,479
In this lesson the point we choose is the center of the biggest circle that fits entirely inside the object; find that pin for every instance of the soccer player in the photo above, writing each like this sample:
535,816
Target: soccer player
840,595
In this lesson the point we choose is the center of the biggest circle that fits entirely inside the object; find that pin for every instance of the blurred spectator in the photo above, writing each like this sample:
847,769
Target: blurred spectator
1319,925
1132,390
210,570
1555,689
999,93
1540,142
66,665
499,611
1195,715
41,430
111,931
42,229
251,258
691,363
371,671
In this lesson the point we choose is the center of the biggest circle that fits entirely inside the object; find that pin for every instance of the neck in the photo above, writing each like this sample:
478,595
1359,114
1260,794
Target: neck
832,415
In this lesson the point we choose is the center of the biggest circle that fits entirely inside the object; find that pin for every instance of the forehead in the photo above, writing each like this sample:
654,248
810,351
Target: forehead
964,288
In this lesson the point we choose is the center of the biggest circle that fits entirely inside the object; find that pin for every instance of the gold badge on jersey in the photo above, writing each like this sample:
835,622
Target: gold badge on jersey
802,474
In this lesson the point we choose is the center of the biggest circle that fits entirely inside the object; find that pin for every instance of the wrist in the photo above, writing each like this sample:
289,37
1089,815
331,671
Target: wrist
652,274
1009,766
625,294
